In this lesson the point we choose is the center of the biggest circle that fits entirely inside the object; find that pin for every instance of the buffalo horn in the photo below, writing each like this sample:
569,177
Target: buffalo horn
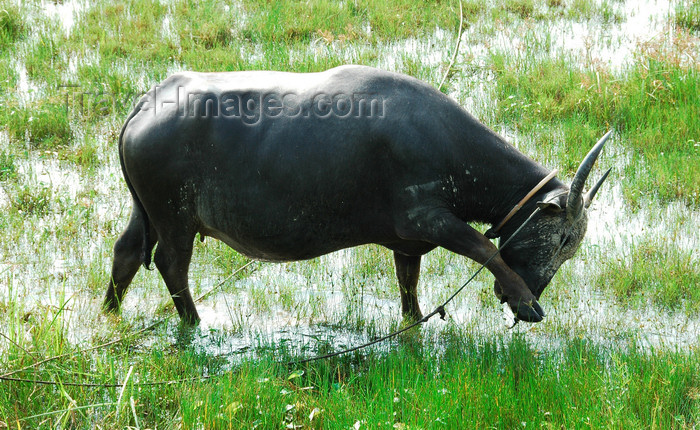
588,198
574,203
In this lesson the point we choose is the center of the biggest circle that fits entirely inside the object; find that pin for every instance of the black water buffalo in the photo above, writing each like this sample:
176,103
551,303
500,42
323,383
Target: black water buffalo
285,166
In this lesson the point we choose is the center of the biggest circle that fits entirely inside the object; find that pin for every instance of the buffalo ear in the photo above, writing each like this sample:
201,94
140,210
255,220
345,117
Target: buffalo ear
553,201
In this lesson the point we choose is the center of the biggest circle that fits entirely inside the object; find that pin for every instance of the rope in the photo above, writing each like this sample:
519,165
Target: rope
492,233
438,310
6,376
456,50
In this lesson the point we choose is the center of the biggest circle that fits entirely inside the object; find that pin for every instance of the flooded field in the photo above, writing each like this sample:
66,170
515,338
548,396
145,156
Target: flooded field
71,73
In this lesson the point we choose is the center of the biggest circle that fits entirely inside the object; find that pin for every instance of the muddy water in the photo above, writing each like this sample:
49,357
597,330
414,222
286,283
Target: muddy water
333,301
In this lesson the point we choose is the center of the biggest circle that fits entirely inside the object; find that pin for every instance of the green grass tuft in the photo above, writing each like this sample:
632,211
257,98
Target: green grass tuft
604,11
522,8
655,271
12,26
141,38
290,21
203,26
8,168
44,124
31,200
44,61
688,15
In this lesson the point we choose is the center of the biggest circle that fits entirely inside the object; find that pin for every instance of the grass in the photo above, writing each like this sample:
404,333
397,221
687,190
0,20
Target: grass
671,285
365,20
43,61
32,200
8,168
688,15
12,27
604,11
138,38
661,87
44,124
412,385
63,204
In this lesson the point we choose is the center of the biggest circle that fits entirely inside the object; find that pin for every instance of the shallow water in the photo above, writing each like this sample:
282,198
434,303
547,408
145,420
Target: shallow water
580,310
614,43
64,11
332,301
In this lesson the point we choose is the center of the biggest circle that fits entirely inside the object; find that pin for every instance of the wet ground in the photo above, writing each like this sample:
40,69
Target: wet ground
335,300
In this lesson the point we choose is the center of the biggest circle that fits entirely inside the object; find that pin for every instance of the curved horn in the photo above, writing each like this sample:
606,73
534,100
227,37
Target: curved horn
588,198
574,203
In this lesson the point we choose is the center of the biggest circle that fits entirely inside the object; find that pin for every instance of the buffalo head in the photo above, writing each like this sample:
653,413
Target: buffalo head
554,232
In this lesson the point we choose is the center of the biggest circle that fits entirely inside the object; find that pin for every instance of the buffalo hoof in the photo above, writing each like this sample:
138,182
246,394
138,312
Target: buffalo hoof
528,312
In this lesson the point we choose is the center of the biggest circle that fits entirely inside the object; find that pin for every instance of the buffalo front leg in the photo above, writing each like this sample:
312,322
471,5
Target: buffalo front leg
173,264
408,271
446,230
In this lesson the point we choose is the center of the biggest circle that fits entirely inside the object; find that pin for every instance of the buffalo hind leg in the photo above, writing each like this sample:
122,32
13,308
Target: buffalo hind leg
408,271
127,260
173,263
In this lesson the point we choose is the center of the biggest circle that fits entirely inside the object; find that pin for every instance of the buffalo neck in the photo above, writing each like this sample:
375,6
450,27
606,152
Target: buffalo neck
495,177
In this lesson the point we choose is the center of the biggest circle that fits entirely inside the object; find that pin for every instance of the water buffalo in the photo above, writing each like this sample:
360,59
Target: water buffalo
286,166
